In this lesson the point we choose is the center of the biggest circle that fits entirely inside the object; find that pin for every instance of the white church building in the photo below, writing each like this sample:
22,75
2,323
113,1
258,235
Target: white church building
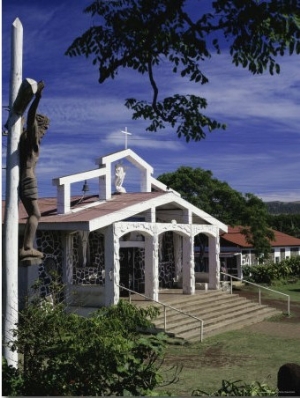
141,240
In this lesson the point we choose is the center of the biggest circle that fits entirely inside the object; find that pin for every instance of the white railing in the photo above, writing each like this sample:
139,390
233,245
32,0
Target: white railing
165,306
259,290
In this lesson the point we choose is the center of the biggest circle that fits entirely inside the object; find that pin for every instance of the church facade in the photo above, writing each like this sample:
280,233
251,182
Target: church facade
143,240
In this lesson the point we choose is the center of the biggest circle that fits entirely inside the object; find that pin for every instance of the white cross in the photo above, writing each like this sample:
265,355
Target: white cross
126,135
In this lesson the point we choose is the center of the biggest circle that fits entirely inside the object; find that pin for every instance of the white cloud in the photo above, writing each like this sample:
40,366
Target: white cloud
141,140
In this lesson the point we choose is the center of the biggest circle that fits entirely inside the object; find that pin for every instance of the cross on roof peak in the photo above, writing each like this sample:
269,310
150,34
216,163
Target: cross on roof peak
126,135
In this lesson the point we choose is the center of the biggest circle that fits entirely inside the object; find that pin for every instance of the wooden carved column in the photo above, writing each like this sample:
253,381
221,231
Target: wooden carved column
214,261
112,267
151,266
188,280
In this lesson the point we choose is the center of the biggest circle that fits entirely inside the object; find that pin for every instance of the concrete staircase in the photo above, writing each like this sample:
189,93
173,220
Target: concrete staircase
219,310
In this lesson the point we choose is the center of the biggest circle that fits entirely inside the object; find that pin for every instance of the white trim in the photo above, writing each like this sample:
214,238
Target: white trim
86,175
130,155
162,187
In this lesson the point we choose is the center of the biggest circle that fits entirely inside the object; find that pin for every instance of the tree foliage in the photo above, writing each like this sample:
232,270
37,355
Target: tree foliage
288,208
286,223
141,35
66,354
217,198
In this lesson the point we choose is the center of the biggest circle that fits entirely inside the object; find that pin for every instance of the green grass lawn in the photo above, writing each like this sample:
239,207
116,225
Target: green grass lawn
238,355
292,289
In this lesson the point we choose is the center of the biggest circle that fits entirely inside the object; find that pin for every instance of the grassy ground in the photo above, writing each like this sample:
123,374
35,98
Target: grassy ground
239,355
251,354
292,289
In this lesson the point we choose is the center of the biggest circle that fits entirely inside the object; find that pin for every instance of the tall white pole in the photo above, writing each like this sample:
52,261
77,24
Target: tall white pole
11,249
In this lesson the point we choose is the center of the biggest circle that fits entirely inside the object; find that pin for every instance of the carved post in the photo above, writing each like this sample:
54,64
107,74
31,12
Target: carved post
10,269
151,266
214,261
188,276
20,97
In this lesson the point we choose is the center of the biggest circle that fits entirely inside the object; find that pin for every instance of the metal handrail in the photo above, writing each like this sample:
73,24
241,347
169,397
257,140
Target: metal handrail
165,306
259,290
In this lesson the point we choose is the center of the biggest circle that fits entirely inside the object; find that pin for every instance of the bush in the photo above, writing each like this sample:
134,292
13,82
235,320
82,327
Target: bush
12,380
239,388
294,264
270,272
259,273
66,354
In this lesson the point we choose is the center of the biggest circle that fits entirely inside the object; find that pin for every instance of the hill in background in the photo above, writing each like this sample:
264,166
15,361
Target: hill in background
277,207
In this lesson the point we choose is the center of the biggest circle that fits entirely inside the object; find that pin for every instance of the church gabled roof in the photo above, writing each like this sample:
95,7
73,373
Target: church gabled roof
93,213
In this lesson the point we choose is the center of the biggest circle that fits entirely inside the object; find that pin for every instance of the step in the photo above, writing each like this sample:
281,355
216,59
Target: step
212,318
185,324
194,334
173,298
229,324
196,304
176,319
209,310
219,310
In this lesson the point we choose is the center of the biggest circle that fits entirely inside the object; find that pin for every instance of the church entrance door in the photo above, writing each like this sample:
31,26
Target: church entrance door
131,276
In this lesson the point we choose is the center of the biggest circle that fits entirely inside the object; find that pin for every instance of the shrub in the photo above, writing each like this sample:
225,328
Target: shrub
239,388
12,380
294,264
261,273
267,273
66,354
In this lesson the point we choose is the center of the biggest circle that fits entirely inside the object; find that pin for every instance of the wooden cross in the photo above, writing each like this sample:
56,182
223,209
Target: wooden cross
126,135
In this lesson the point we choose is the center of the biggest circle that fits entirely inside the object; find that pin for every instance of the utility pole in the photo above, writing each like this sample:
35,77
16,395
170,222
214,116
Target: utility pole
20,96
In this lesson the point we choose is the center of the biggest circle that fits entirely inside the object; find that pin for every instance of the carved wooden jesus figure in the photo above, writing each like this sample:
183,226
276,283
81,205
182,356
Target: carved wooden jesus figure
30,139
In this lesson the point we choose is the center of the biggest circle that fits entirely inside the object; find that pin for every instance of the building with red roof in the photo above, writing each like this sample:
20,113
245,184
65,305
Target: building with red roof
237,252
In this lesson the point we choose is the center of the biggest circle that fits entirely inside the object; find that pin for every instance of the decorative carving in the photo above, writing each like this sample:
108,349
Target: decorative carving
123,228
205,229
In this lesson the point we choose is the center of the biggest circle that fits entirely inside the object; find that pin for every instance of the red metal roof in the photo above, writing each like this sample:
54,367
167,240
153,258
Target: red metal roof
118,202
235,237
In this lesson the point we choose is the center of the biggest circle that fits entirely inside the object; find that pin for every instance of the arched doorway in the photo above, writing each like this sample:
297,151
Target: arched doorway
132,269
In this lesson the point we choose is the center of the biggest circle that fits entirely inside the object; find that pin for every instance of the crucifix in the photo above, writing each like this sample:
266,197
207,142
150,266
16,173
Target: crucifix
126,135
21,94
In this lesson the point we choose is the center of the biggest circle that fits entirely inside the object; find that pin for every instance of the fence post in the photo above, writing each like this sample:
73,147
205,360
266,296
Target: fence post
165,318
259,296
201,331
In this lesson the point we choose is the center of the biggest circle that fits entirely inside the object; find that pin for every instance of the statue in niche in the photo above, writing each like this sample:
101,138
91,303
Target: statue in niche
29,150
119,178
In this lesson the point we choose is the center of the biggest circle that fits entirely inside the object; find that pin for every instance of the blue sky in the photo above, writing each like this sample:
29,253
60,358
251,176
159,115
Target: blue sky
258,153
